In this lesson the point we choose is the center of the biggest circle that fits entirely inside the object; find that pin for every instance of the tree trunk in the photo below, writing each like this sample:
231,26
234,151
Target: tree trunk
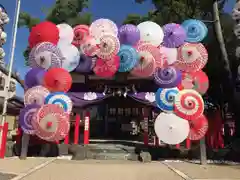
228,83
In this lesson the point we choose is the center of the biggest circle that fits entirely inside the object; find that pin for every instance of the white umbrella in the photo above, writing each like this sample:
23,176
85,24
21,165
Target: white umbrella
171,129
66,33
170,53
71,55
150,32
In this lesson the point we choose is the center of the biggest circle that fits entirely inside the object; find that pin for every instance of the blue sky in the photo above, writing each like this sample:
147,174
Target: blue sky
115,10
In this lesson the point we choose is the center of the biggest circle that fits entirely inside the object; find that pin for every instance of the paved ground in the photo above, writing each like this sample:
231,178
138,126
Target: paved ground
55,169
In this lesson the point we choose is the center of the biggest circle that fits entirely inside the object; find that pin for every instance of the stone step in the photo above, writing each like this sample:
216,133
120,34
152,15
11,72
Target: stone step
101,148
116,156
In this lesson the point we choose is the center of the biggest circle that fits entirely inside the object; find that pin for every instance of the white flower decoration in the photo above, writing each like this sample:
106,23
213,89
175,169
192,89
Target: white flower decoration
90,96
150,96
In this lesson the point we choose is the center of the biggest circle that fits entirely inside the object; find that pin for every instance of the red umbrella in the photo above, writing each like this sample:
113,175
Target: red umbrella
107,68
58,80
188,104
198,128
89,46
195,80
192,57
81,32
43,32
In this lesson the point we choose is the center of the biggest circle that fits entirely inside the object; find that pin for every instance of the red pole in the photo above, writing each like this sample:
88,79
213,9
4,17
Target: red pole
188,143
66,140
156,141
4,140
86,128
178,146
76,130
19,134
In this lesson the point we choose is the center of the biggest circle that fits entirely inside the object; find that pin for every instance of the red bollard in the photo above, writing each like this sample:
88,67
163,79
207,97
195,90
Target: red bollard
76,130
86,128
188,143
4,140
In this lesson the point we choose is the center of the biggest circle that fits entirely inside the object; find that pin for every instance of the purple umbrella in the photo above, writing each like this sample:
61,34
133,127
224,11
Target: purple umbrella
34,77
85,64
26,116
174,35
129,34
168,77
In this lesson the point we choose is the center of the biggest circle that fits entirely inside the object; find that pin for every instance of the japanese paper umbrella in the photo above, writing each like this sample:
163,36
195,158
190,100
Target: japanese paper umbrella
47,120
85,64
128,58
170,53
151,32
129,34
188,104
61,99
43,32
71,55
89,46
145,66
33,77
45,55
66,34
167,77
81,32
35,95
195,80
198,128
106,68
171,129
26,116
109,46
58,80
101,27
159,57
196,30
174,35
192,57
165,98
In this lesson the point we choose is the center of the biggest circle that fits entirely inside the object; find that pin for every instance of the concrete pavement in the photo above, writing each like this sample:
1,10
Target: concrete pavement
55,169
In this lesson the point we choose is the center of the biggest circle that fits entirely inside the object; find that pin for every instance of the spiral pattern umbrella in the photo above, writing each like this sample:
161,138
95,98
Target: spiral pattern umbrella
107,68
101,27
81,32
196,30
174,35
168,77
47,121
34,77
36,95
128,58
165,98
45,55
26,116
198,128
192,57
57,80
108,47
188,104
129,34
61,99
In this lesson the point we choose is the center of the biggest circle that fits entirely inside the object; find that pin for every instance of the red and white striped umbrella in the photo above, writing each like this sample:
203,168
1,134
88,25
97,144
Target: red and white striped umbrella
159,57
47,121
192,57
109,46
198,128
188,104
81,32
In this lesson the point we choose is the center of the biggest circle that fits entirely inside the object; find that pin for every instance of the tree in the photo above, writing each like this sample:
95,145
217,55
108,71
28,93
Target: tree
62,11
